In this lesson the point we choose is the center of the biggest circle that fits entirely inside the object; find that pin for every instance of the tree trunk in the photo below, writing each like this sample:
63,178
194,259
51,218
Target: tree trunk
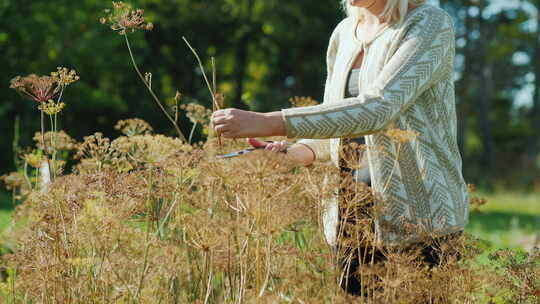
534,141
463,87
484,96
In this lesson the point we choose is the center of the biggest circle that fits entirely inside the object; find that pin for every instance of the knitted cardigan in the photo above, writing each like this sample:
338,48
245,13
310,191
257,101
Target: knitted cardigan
406,82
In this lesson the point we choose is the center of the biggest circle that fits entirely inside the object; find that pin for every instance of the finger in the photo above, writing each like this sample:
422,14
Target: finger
228,134
219,120
275,147
221,129
218,113
268,147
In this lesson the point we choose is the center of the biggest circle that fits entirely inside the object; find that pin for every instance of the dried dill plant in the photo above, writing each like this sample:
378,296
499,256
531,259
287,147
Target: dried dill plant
37,88
133,126
148,218
300,101
399,275
59,141
149,149
44,89
218,98
520,275
177,225
96,153
198,115
475,202
123,18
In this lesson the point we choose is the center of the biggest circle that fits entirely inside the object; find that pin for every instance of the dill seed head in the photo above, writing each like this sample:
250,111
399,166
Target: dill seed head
301,101
51,107
37,88
133,126
402,136
62,141
123,18
12,180
34,159
64,76
197,113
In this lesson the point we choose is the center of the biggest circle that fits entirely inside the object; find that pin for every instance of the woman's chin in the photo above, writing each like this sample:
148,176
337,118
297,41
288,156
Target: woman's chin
362,3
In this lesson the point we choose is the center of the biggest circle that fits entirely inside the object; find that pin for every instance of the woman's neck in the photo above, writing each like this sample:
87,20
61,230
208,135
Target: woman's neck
374,11
376,8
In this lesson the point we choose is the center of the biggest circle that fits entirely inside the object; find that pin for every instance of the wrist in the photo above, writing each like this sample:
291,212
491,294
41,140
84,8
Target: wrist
276,123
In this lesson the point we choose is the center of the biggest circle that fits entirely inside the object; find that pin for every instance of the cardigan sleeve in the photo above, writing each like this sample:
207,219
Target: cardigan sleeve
424,53
321,147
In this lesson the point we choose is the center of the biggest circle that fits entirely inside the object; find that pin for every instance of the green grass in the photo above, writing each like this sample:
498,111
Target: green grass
5,219
508,220
6,208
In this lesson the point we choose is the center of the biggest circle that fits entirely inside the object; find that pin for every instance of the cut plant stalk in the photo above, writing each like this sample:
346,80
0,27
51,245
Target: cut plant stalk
216,104
149,87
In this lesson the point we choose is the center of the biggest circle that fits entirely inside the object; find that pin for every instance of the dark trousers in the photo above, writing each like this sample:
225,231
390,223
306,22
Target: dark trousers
356,226
351,259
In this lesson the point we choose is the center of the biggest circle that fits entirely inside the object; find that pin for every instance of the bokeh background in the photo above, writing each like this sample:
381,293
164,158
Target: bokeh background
268,51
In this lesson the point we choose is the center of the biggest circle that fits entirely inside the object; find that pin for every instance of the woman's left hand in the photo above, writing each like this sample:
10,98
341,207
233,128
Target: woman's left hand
235,123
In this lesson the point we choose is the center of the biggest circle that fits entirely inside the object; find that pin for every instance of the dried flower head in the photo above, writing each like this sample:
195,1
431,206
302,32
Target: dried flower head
51,107
123,17
197,113
149,148
133,126
220,100
12,180
299,101
98,149
64,76
59,141
402,136
477,202
177,97
37,88
34,159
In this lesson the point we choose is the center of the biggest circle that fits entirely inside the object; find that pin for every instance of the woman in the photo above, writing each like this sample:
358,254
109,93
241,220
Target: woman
389,66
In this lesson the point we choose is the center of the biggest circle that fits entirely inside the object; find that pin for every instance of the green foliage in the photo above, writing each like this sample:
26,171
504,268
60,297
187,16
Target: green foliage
254,48
266,52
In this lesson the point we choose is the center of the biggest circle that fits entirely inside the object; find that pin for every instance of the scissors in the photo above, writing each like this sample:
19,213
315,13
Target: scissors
245,151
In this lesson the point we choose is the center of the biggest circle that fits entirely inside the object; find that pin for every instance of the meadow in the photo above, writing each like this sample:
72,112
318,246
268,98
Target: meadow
508,220
145,218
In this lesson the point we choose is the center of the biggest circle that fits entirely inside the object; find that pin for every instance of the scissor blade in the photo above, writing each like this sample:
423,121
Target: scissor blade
237,153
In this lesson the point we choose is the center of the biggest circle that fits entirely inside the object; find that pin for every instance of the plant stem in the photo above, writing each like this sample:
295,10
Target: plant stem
54,127
204,74
212,90
156,99
191,133
43,143
53,145
16,137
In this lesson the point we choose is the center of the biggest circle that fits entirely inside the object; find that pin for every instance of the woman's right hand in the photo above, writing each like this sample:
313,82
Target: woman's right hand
297,153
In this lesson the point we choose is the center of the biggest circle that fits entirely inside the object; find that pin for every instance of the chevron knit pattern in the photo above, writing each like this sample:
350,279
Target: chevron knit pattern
406,83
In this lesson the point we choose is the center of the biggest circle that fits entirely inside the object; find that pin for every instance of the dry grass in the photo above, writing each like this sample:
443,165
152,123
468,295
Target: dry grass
147,218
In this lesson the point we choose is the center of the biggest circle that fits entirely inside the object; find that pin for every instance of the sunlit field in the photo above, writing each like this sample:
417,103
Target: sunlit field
143,217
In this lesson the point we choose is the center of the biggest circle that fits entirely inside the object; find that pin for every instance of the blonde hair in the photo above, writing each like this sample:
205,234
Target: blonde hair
394,10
